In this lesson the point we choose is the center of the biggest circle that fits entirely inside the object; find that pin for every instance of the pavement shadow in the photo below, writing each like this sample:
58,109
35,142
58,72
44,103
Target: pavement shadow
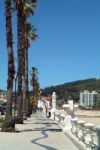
40,123
46,123
36,129
45,135
45,128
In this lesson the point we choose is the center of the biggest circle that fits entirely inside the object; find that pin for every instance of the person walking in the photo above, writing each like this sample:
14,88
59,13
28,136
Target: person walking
46,110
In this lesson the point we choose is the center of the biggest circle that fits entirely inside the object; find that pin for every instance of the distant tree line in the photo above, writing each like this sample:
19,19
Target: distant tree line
71,90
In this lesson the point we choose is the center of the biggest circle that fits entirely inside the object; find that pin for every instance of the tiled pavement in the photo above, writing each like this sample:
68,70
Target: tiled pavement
37,133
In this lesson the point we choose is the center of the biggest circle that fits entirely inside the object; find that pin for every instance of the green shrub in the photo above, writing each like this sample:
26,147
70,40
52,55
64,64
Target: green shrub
1,120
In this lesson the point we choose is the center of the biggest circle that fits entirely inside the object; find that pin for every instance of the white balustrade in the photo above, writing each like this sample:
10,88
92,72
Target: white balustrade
87,133
98,134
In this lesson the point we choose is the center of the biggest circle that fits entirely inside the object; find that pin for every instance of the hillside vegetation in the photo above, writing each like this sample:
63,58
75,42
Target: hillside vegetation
71,90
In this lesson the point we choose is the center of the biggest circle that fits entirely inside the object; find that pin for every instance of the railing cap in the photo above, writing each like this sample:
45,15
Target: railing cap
98,128
56,113
81,122
62,115
74,119
89,125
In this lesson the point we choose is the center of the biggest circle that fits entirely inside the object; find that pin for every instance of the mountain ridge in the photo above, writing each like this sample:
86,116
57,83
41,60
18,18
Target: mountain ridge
72,89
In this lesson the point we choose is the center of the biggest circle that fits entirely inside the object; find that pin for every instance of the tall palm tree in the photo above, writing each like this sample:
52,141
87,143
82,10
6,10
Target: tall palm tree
35,85
20,22
23,8
9,125
29,34
19,5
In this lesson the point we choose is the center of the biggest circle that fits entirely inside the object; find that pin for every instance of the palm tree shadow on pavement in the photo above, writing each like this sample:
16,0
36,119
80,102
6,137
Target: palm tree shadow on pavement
45,135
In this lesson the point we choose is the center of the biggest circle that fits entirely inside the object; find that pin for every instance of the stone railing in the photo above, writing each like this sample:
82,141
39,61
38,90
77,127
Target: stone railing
59,118
87,133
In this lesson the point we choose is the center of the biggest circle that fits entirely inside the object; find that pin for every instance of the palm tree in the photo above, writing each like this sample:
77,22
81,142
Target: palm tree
20,22
19,5
35,85
9,125
23,7
29,34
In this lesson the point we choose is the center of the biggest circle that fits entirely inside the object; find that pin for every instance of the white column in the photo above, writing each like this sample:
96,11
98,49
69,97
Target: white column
71,105
53,105
54,100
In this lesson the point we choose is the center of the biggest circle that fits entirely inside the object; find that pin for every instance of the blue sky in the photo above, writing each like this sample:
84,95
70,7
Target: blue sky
68,43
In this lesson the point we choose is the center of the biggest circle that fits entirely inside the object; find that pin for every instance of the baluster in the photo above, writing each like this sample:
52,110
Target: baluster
98,134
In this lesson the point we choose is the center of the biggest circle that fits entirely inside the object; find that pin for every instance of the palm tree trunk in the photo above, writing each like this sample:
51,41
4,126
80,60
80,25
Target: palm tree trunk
20,65
26,85
24,71
9,125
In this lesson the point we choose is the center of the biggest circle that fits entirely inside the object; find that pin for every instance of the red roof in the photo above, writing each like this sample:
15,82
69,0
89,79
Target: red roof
48,98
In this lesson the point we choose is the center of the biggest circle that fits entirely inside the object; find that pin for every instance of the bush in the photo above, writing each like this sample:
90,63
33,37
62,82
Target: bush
1,120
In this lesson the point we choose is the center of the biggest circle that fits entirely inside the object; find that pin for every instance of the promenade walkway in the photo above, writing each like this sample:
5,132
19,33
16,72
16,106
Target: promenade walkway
37,133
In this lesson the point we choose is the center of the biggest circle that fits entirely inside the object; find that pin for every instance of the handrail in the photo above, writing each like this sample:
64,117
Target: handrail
87,133
59,118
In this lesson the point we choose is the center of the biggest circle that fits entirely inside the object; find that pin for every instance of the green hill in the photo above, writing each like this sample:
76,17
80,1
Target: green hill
72,89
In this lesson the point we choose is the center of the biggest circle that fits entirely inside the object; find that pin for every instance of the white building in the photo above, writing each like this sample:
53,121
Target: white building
41,104
88,99
44,102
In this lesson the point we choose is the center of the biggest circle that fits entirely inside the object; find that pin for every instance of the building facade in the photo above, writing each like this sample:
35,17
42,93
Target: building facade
45,101
3,95
88,99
